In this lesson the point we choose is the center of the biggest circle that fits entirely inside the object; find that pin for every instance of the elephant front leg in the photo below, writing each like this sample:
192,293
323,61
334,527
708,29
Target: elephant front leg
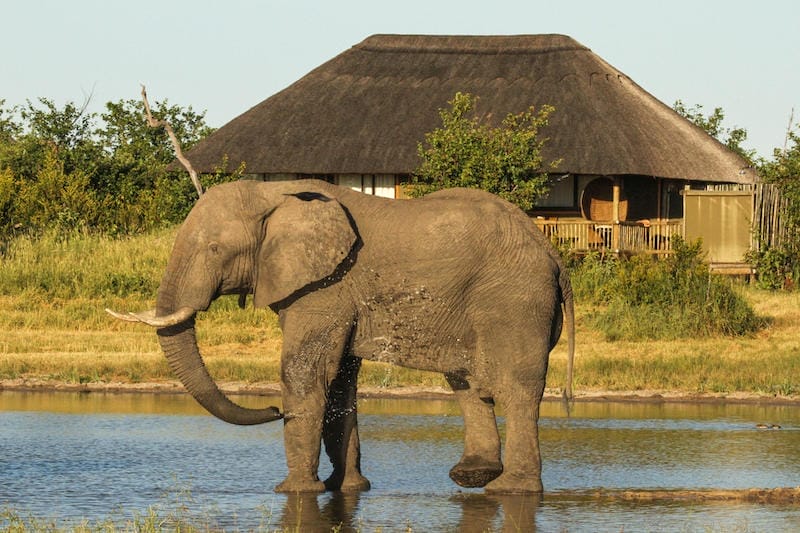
313,348
301,437
480,462
340,430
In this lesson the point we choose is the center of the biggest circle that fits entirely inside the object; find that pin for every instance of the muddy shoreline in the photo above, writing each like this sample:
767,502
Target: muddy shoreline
410,392
776,496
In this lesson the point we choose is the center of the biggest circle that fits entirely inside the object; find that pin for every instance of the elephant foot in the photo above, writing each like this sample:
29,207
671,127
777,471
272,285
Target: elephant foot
475,472
351,483
293,485
515,484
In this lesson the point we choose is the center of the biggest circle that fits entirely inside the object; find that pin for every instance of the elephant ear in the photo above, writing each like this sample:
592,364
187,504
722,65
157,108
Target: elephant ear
308,236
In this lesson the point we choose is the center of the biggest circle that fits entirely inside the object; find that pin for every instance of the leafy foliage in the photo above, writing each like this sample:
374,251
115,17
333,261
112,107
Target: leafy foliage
467,152
64,168
57,199
775,267
647,298
779,267
784,170
712,124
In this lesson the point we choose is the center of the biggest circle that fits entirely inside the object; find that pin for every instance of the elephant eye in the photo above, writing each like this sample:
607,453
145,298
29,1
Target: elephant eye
213,247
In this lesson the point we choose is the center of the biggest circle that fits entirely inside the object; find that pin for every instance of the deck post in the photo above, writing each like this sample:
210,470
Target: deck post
615,214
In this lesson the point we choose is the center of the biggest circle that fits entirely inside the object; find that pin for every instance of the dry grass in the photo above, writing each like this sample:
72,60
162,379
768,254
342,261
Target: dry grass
239,345
244,345
767,362
52,326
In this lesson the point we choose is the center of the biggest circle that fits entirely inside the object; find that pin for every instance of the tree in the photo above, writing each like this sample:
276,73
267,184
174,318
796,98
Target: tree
779,266
712,124
468,152
137,148
9,131
784,171
68,131
9,127
50,156
137,183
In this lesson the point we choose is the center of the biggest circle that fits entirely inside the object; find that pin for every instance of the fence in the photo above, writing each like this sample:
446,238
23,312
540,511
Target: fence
769,229
653,237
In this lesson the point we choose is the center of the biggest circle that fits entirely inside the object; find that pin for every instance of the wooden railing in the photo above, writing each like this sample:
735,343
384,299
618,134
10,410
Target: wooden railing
654,237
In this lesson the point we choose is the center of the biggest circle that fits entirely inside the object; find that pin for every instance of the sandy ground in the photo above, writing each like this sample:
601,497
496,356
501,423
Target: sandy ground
412,392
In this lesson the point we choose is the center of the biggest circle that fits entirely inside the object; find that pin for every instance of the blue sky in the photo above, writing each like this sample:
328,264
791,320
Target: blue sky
226,56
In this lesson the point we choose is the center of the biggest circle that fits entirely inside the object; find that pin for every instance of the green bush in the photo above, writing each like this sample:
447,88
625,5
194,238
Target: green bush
468,151
776,268
644,297
56,200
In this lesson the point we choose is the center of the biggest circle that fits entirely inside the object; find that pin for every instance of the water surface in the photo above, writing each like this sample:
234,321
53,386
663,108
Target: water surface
69,457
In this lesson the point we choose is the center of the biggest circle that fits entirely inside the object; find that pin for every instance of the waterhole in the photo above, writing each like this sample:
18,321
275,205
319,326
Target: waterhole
73,457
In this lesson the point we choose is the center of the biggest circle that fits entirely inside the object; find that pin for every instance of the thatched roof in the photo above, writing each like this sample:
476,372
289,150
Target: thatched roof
365,110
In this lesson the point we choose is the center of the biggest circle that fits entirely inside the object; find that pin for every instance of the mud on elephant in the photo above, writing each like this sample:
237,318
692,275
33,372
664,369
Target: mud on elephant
459,282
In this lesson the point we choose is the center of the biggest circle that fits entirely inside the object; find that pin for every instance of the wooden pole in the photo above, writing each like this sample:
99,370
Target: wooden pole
615,213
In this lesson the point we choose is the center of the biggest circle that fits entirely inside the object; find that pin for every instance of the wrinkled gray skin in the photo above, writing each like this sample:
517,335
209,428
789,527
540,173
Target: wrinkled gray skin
459,282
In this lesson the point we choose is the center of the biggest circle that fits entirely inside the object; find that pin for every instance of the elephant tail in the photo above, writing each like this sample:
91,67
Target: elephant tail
569,319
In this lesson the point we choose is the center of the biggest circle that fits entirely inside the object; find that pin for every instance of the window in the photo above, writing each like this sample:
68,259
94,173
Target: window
562,192
378,185
384,185
278,177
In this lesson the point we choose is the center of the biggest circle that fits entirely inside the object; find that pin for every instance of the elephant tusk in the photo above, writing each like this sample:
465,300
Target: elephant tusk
127,317
149,317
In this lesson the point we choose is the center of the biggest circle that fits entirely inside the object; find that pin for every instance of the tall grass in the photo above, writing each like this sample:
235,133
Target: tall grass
82,265
53,292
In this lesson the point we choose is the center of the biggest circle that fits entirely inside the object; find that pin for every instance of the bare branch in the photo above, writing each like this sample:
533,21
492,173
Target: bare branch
788,133
153,123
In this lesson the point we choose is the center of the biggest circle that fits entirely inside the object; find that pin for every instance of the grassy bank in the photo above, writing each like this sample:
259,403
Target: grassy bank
52,326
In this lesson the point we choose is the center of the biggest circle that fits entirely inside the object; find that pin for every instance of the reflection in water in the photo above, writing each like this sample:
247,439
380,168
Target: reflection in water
302,512
479,513
75,456
340,511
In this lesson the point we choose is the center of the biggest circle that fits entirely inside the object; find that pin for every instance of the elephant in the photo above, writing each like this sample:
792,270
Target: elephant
459,282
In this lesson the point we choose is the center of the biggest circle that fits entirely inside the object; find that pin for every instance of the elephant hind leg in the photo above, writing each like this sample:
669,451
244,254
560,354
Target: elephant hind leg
340,430
520,399
480,462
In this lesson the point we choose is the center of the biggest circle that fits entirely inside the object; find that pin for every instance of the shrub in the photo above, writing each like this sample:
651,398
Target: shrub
648,298
468,151
56,200
777,268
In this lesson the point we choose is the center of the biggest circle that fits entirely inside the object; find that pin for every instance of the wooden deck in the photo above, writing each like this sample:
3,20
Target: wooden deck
583,236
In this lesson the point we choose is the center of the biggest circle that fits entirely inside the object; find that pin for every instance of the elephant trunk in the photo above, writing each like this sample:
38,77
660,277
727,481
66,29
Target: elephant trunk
180,347
183,355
